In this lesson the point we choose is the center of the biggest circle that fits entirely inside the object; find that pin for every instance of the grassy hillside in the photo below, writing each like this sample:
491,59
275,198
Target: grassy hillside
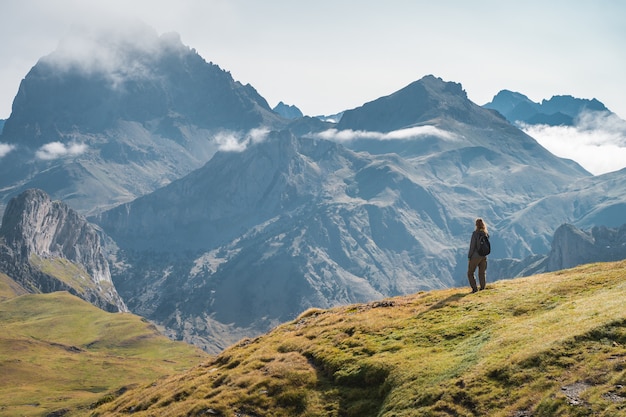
548,345
9,288
60,354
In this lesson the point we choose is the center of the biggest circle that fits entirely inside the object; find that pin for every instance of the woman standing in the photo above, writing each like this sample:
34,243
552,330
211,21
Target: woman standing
475,259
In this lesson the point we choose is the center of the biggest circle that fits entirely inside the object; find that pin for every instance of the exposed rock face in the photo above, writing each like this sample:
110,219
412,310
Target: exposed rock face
38,234
572,246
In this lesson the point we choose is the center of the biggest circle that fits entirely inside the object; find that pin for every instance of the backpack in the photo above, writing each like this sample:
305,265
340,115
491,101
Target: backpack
484,247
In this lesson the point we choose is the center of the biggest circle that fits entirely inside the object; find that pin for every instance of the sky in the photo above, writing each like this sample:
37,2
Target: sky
329,56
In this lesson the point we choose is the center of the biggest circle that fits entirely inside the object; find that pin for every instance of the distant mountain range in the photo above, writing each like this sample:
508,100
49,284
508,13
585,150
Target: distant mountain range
557,111
221,218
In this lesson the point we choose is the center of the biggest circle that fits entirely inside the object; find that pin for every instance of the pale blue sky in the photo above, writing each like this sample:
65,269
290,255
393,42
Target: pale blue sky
327,56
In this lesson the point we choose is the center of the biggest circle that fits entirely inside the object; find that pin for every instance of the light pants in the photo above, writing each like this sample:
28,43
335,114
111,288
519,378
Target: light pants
481,263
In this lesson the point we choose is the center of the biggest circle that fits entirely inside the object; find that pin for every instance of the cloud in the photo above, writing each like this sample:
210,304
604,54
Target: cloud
120,51
54,150
228,141
258,135
408,133
5,149
597,141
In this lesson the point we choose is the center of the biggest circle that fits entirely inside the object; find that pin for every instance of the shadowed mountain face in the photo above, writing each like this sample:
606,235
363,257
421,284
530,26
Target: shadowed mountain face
133,114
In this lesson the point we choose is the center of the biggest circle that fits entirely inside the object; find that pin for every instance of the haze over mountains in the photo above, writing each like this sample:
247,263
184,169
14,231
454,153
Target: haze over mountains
224,218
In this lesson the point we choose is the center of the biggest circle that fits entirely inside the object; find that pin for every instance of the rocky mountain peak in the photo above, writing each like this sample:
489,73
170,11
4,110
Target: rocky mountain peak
93,81
143,106
36,229
288,111
421,102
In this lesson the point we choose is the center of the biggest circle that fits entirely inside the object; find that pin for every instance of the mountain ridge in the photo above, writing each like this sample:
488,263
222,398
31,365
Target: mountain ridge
560,110
549,344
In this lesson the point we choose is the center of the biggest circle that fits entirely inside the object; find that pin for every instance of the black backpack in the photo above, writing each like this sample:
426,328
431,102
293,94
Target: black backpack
484,247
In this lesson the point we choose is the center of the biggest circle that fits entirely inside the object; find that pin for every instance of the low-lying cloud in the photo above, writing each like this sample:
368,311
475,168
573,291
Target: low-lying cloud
400,134
597,141
5,149
55,150
228,141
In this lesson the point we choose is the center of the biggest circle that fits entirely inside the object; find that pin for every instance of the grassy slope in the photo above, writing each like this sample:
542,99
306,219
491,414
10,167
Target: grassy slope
59,352
548,345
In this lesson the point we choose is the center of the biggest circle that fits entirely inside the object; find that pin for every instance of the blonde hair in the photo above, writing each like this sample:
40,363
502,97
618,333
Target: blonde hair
481,225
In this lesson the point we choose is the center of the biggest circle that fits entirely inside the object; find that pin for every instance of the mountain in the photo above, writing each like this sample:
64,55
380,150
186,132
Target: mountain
110,116
571,247
478,162
230,219
557,111
61,355
551,344
45,246
288,111
258,235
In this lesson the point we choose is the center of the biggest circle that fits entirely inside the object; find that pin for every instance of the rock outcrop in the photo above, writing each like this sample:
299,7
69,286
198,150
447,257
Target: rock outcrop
46,246
572,246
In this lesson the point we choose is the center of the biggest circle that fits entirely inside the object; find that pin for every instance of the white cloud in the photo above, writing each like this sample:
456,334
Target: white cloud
258,135
597,141
120,51
54,150
408,133
229,141
5,149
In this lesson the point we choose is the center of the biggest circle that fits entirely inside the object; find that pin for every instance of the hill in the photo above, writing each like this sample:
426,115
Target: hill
546,345
59,353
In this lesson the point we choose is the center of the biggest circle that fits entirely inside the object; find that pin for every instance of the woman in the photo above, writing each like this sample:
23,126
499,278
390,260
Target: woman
476,260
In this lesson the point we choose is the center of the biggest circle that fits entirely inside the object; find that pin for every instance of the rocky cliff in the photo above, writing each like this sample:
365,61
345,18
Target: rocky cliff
572,246
46,246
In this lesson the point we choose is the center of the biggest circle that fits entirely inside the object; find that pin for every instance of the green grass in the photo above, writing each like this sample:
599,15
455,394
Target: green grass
65,271
9,288
516,349
58,352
